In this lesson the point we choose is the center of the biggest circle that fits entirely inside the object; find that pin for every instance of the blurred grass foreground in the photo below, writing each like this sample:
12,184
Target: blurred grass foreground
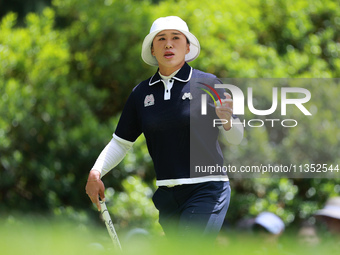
31,236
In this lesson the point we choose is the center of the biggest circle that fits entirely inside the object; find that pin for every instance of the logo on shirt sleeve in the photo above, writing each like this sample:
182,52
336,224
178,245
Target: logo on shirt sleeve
149,100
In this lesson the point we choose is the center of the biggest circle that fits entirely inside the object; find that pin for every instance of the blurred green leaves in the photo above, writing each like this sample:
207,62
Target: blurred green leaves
43,114
134,208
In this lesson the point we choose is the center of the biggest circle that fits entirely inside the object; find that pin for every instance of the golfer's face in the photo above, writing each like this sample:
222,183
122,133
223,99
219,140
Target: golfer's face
169,48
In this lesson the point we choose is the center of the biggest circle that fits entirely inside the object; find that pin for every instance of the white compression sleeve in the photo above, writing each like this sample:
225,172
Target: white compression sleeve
233,135
112,155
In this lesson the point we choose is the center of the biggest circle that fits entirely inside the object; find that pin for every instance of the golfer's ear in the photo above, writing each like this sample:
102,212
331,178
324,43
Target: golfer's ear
152,51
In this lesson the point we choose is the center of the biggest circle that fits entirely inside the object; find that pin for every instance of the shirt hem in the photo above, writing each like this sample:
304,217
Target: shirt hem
175,182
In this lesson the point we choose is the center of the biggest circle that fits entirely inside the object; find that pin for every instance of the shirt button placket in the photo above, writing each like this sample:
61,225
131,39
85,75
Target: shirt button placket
170,82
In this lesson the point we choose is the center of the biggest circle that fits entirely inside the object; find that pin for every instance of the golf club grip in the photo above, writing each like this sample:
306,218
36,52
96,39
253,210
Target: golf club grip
109,225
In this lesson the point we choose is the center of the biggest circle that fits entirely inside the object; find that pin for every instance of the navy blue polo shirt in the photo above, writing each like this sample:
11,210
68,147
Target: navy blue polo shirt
169,126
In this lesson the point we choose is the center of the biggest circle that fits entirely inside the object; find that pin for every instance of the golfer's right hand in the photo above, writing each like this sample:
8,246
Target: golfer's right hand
95,188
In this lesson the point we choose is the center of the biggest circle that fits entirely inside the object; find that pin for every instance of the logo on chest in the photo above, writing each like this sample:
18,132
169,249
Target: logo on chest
149,100
187,95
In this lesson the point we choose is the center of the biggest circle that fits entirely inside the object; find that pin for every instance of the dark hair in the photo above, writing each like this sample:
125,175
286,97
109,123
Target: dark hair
307,224
257,228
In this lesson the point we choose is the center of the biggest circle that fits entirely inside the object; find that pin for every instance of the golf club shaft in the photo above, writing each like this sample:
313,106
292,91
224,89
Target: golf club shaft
109,225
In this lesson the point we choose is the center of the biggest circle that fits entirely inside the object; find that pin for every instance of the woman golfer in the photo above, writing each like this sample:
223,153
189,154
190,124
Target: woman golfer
179,137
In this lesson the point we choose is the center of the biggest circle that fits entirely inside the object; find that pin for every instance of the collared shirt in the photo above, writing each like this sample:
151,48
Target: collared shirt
169,126
168,83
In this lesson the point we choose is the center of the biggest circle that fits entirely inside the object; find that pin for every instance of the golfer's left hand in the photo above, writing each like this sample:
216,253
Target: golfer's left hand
225,111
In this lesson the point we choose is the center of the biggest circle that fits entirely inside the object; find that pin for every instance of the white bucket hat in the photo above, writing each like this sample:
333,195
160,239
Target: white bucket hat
331,209
169,23
271,222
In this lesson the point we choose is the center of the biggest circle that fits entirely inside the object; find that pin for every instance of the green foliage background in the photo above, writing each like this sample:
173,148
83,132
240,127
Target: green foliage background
66,71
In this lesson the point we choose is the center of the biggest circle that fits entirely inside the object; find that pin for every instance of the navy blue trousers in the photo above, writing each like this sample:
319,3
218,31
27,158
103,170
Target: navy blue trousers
197,209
